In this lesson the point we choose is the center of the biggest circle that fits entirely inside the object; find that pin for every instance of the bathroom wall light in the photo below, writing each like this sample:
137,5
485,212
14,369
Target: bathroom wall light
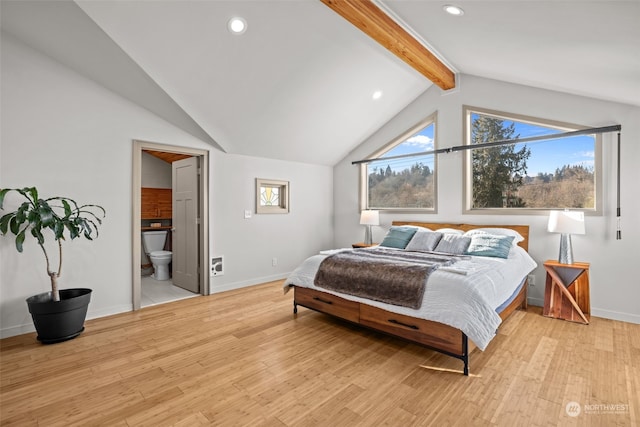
453,10
237,25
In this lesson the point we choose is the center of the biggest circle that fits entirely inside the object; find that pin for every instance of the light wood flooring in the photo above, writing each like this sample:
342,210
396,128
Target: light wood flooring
242,358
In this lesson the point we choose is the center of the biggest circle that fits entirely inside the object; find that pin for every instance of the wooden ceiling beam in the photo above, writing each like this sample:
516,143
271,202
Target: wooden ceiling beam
374,22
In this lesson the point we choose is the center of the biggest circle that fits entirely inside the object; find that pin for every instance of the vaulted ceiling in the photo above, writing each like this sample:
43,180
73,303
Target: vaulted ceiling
298,83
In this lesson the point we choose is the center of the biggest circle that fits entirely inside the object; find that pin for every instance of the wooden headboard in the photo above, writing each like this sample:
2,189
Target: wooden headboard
522,229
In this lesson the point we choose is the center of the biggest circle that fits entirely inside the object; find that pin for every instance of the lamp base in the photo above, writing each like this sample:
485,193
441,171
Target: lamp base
566,251
368,238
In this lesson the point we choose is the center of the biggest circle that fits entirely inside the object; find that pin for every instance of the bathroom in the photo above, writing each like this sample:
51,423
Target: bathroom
156,224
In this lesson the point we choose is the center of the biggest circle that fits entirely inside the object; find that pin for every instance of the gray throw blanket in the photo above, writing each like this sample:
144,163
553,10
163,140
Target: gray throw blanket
381,274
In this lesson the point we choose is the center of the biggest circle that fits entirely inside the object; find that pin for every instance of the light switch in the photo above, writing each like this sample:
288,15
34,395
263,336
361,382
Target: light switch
247,214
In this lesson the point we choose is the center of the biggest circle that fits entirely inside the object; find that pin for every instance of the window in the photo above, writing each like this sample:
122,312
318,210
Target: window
399,178
547,174
272,196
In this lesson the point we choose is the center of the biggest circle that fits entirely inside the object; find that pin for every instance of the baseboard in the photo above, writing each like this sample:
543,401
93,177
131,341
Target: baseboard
535,301
110,311
17,330
597,312
95,314
214,289
27,328
615,315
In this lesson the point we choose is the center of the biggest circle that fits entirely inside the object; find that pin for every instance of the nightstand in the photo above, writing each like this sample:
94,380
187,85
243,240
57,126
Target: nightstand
566,292
363,245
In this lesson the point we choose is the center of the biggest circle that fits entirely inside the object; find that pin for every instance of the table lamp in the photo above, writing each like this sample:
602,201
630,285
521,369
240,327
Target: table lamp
369,218
566,223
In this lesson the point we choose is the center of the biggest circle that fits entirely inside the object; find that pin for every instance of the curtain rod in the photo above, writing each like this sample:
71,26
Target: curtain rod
618,213
588,131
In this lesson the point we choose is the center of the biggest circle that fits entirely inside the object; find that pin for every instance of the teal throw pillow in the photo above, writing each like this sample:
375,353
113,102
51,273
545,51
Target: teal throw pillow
398,237
490,245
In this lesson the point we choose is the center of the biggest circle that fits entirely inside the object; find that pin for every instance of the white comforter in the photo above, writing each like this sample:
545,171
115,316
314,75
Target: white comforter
464,295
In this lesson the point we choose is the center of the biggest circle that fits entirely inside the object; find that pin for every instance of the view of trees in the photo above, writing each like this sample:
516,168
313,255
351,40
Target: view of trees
499,178
568,187
409,188
498,172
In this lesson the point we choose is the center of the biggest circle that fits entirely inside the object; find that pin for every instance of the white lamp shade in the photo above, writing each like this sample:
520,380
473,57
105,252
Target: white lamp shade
370,218
566,222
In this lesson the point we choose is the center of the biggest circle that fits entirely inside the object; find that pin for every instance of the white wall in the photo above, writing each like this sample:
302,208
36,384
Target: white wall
614,280
154,172
249,245
69,136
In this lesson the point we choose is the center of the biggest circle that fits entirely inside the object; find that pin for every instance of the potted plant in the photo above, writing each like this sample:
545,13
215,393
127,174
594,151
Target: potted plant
57,315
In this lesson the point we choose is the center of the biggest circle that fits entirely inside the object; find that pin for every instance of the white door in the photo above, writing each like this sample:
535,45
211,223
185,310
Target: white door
185,224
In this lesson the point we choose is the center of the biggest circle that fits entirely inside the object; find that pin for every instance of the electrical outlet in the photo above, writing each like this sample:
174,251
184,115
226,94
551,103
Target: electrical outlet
274,261
247,214
532,280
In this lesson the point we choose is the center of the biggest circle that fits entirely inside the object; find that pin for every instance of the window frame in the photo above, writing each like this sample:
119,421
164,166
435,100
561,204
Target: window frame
283,207
364,178
467,192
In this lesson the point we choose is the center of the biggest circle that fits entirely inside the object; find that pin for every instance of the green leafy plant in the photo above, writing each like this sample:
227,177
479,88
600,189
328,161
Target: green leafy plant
56,216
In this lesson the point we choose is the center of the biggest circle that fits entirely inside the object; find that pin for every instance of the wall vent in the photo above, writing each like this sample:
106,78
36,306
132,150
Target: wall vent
217,266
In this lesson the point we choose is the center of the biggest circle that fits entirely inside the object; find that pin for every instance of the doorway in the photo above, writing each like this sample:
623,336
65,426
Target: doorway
200,234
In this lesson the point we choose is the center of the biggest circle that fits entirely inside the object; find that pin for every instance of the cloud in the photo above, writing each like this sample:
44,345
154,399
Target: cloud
422,141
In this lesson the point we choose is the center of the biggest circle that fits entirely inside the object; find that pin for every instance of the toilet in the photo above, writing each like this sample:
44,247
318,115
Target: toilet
153,242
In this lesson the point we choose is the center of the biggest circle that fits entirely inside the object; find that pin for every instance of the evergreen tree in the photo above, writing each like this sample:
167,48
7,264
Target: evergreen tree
498,172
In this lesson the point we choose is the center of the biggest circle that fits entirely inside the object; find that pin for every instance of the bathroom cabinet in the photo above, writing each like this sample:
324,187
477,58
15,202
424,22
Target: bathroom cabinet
156,203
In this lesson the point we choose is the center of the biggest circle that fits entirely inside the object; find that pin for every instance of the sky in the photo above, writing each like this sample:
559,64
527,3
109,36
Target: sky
420,141
546,156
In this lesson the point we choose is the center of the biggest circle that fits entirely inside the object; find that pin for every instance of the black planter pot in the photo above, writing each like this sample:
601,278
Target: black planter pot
58,321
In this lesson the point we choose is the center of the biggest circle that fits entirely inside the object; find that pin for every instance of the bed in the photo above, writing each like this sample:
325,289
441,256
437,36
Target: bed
482,290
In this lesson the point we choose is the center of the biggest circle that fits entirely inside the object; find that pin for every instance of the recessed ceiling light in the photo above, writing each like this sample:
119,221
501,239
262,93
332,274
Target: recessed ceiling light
453,10
237,25
377,94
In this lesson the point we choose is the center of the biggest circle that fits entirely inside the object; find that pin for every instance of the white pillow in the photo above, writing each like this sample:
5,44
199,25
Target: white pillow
419,227
452,243
424,241
517,237
450,231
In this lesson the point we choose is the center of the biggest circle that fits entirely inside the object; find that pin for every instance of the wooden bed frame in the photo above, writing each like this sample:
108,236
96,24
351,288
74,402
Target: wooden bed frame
437,336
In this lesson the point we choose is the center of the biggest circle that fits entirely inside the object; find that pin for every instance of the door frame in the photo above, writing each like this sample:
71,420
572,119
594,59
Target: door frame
203,234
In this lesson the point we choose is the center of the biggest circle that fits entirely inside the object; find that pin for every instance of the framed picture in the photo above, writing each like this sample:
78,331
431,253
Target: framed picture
272,196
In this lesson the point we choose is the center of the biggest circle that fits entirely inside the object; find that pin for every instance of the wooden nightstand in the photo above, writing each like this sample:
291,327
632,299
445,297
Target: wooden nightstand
363,245
566,292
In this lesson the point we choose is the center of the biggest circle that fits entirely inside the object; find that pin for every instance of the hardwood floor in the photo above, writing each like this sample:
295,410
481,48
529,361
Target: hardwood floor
242,358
